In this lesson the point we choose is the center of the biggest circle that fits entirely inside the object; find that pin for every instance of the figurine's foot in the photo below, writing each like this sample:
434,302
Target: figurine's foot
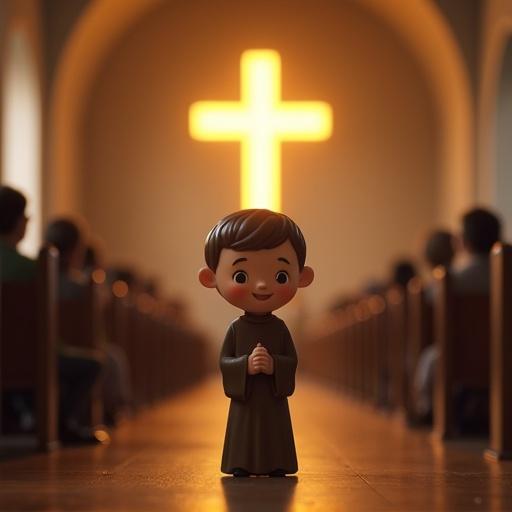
277,472
239,472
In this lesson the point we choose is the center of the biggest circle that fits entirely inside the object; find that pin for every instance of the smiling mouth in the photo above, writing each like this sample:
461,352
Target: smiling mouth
262,297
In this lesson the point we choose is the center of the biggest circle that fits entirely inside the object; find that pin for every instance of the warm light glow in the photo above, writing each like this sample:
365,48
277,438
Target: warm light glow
377,304
260,121
102,435
21,131
99,276
120,289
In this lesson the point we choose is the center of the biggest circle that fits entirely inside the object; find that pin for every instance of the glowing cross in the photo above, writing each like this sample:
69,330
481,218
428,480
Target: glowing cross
260,121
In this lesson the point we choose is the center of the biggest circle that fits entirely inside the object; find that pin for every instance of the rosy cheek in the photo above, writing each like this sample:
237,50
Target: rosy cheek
234,293
285,292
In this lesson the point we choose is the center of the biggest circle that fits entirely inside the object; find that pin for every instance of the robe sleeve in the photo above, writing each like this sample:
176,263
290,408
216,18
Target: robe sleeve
234,369
285,365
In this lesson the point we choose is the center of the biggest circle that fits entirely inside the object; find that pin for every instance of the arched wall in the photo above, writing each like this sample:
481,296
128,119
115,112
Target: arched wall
494,136
419,23
503,148
430,39
97,30
430,45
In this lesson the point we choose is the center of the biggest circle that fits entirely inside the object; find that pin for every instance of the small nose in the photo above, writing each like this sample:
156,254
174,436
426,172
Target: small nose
261,285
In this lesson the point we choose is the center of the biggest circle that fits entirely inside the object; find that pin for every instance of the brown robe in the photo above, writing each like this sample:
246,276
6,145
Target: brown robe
259,436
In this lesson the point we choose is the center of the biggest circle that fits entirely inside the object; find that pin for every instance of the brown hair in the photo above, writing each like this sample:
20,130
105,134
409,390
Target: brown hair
253,230
481,229
12,209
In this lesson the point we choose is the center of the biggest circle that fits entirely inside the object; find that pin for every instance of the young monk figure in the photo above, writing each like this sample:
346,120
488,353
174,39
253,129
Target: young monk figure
256,261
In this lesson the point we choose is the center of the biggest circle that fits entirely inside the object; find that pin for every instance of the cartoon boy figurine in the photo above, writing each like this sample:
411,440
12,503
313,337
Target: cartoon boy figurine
256,261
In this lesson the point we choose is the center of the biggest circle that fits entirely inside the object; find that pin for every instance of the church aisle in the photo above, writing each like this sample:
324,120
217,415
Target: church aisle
350,459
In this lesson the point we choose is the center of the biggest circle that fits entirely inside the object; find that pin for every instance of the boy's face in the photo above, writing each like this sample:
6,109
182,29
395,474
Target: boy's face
258,281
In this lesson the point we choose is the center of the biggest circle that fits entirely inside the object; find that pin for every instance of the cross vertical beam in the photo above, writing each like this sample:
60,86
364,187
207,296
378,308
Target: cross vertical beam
260,121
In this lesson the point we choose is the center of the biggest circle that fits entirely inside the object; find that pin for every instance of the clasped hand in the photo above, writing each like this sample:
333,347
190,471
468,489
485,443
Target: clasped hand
260,361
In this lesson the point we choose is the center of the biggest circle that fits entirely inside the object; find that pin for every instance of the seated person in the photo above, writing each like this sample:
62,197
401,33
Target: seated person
402,272
13,223
481,229
77,373
68,236
439,250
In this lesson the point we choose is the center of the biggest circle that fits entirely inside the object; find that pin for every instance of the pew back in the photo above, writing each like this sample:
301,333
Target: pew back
19,335
500,446
396,324
419,334
79,317
28,343
461,330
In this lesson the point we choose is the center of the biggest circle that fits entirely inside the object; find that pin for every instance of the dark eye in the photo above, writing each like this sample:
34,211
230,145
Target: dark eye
240,277
282,277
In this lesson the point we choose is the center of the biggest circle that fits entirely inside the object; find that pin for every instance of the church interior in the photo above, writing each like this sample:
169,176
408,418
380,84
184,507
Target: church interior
152,149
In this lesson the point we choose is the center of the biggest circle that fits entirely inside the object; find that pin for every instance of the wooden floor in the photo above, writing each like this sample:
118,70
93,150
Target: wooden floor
350,459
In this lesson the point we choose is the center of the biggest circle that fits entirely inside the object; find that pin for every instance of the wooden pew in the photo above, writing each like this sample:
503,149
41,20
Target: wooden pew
340,326
80,326
343,349
117,314
28,343
354,333
80,320
377,351
316,354
347,335
164,356
396,326
419,334
361,348
365,348
332,347
461,332
500,446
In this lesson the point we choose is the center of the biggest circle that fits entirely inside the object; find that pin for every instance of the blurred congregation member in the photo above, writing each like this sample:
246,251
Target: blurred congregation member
374,287
18,268
13,223
65,235
77,372
439,249
69,238
481,229
126,275
402,272
340,302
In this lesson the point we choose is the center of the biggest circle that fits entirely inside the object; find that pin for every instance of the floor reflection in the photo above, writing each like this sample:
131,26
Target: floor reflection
258,493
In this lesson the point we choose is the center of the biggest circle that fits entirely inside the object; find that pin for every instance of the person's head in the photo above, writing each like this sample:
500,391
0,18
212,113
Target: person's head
13,221
125,274
66,235
402,272
256,260
481,229
440,249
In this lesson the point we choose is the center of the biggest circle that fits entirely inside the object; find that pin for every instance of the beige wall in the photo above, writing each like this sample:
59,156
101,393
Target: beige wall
24,17
361,198
78,36
425,31
494,171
